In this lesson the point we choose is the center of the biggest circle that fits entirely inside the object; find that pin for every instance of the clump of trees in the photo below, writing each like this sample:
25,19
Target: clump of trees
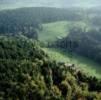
83,42
28,73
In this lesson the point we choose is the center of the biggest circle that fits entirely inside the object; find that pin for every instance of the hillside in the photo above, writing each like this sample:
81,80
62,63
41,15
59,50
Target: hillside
59,30
27,21
28,73
86,65
86,43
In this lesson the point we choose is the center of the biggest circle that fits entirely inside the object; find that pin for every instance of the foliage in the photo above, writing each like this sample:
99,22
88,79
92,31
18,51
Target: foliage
34,76
83,42
82,63
27,21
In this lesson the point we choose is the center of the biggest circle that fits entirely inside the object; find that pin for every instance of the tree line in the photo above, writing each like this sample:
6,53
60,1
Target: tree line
82,42
26,21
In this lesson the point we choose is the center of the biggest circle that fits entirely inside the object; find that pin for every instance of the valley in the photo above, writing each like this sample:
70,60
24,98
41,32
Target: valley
50,53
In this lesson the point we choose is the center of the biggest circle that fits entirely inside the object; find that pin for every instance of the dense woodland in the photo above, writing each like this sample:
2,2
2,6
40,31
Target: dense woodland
28,73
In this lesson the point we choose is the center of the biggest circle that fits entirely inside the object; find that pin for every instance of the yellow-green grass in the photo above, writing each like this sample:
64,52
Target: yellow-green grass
55,30
85,64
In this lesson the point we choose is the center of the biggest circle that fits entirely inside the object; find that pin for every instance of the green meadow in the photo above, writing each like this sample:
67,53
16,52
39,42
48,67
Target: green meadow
55,30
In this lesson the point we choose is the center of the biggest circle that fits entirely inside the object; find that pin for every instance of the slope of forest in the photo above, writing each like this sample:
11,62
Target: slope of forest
28,73
27,21
58,30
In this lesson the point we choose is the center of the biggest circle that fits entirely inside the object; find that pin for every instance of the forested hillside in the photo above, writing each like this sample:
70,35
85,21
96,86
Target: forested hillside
28,73
61,30
27,21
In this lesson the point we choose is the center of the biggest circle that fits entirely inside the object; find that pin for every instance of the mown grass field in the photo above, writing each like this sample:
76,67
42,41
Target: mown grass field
52,31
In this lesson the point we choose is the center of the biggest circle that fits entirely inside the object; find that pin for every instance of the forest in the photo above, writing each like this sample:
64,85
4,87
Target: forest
50,53
26,21
28,73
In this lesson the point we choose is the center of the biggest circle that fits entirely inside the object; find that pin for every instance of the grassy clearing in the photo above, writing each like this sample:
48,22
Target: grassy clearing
52,31
86,65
